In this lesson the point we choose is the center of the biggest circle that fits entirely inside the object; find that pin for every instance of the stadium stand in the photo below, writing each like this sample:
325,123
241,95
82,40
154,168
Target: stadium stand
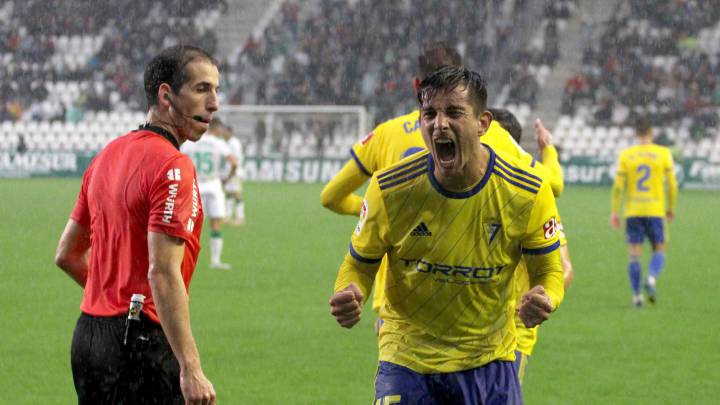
352,52
363,52
311,53
657,60
533,63
80,58
76,69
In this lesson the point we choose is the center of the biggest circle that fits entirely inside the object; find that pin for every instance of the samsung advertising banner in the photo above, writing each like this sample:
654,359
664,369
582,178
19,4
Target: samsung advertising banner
43,164
691,173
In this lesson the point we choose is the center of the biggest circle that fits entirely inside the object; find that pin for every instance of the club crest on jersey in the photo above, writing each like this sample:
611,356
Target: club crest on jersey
363,217
550,228
492,230
367,138
173,174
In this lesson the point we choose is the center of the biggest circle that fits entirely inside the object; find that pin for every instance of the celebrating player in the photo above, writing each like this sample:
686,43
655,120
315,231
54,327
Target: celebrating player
645,169
453,223
208,154
394,140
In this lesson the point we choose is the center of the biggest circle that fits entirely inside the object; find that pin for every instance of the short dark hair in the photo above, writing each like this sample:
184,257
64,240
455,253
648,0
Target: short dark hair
642,126
169,67
436,55
508,121
447,78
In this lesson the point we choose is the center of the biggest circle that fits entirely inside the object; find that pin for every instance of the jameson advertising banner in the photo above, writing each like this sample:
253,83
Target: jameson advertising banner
691,173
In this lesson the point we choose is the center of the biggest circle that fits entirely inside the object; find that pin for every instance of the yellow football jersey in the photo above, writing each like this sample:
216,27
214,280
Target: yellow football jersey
451,257
527,337
399,138
388,143
644,170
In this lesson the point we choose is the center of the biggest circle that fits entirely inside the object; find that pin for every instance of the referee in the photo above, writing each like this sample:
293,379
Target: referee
134,232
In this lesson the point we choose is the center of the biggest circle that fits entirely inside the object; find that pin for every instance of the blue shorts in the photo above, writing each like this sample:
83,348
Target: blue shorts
636,228
495,383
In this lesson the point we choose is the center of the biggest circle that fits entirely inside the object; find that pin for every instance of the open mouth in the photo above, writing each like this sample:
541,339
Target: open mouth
445,150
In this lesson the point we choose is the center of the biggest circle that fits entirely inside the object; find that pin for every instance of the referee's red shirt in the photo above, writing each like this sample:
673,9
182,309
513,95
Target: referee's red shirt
139,183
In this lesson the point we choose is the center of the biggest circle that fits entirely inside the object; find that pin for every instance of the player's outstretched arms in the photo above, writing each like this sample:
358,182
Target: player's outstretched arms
542,135
337,195
535,307
549,158
346,306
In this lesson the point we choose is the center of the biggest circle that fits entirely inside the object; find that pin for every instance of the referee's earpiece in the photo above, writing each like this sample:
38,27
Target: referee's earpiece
198,118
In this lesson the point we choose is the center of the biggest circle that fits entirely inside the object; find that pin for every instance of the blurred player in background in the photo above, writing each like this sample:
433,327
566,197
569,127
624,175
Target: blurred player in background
208,155
647,171
135,231
527,337
453,223
233,187
508,122
504,140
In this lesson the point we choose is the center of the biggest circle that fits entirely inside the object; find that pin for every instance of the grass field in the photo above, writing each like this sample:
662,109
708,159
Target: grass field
266,337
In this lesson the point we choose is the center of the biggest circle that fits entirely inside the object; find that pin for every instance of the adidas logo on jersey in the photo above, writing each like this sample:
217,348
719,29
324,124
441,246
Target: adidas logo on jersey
421,230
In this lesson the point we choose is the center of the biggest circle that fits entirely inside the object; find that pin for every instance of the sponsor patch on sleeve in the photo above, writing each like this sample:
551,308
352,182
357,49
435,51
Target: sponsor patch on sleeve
174,174
195,208
550,228
363,217
367,138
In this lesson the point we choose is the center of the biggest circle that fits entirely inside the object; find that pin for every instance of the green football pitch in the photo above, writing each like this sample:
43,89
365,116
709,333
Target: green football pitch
266,337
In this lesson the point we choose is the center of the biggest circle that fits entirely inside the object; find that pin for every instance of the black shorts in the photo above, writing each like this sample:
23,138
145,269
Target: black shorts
106,371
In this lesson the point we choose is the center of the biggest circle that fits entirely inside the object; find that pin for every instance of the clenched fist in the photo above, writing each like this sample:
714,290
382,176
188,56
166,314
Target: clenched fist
346,306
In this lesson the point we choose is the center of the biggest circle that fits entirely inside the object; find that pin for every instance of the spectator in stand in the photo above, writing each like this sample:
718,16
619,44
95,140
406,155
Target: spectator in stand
632,68
29,36
353,54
